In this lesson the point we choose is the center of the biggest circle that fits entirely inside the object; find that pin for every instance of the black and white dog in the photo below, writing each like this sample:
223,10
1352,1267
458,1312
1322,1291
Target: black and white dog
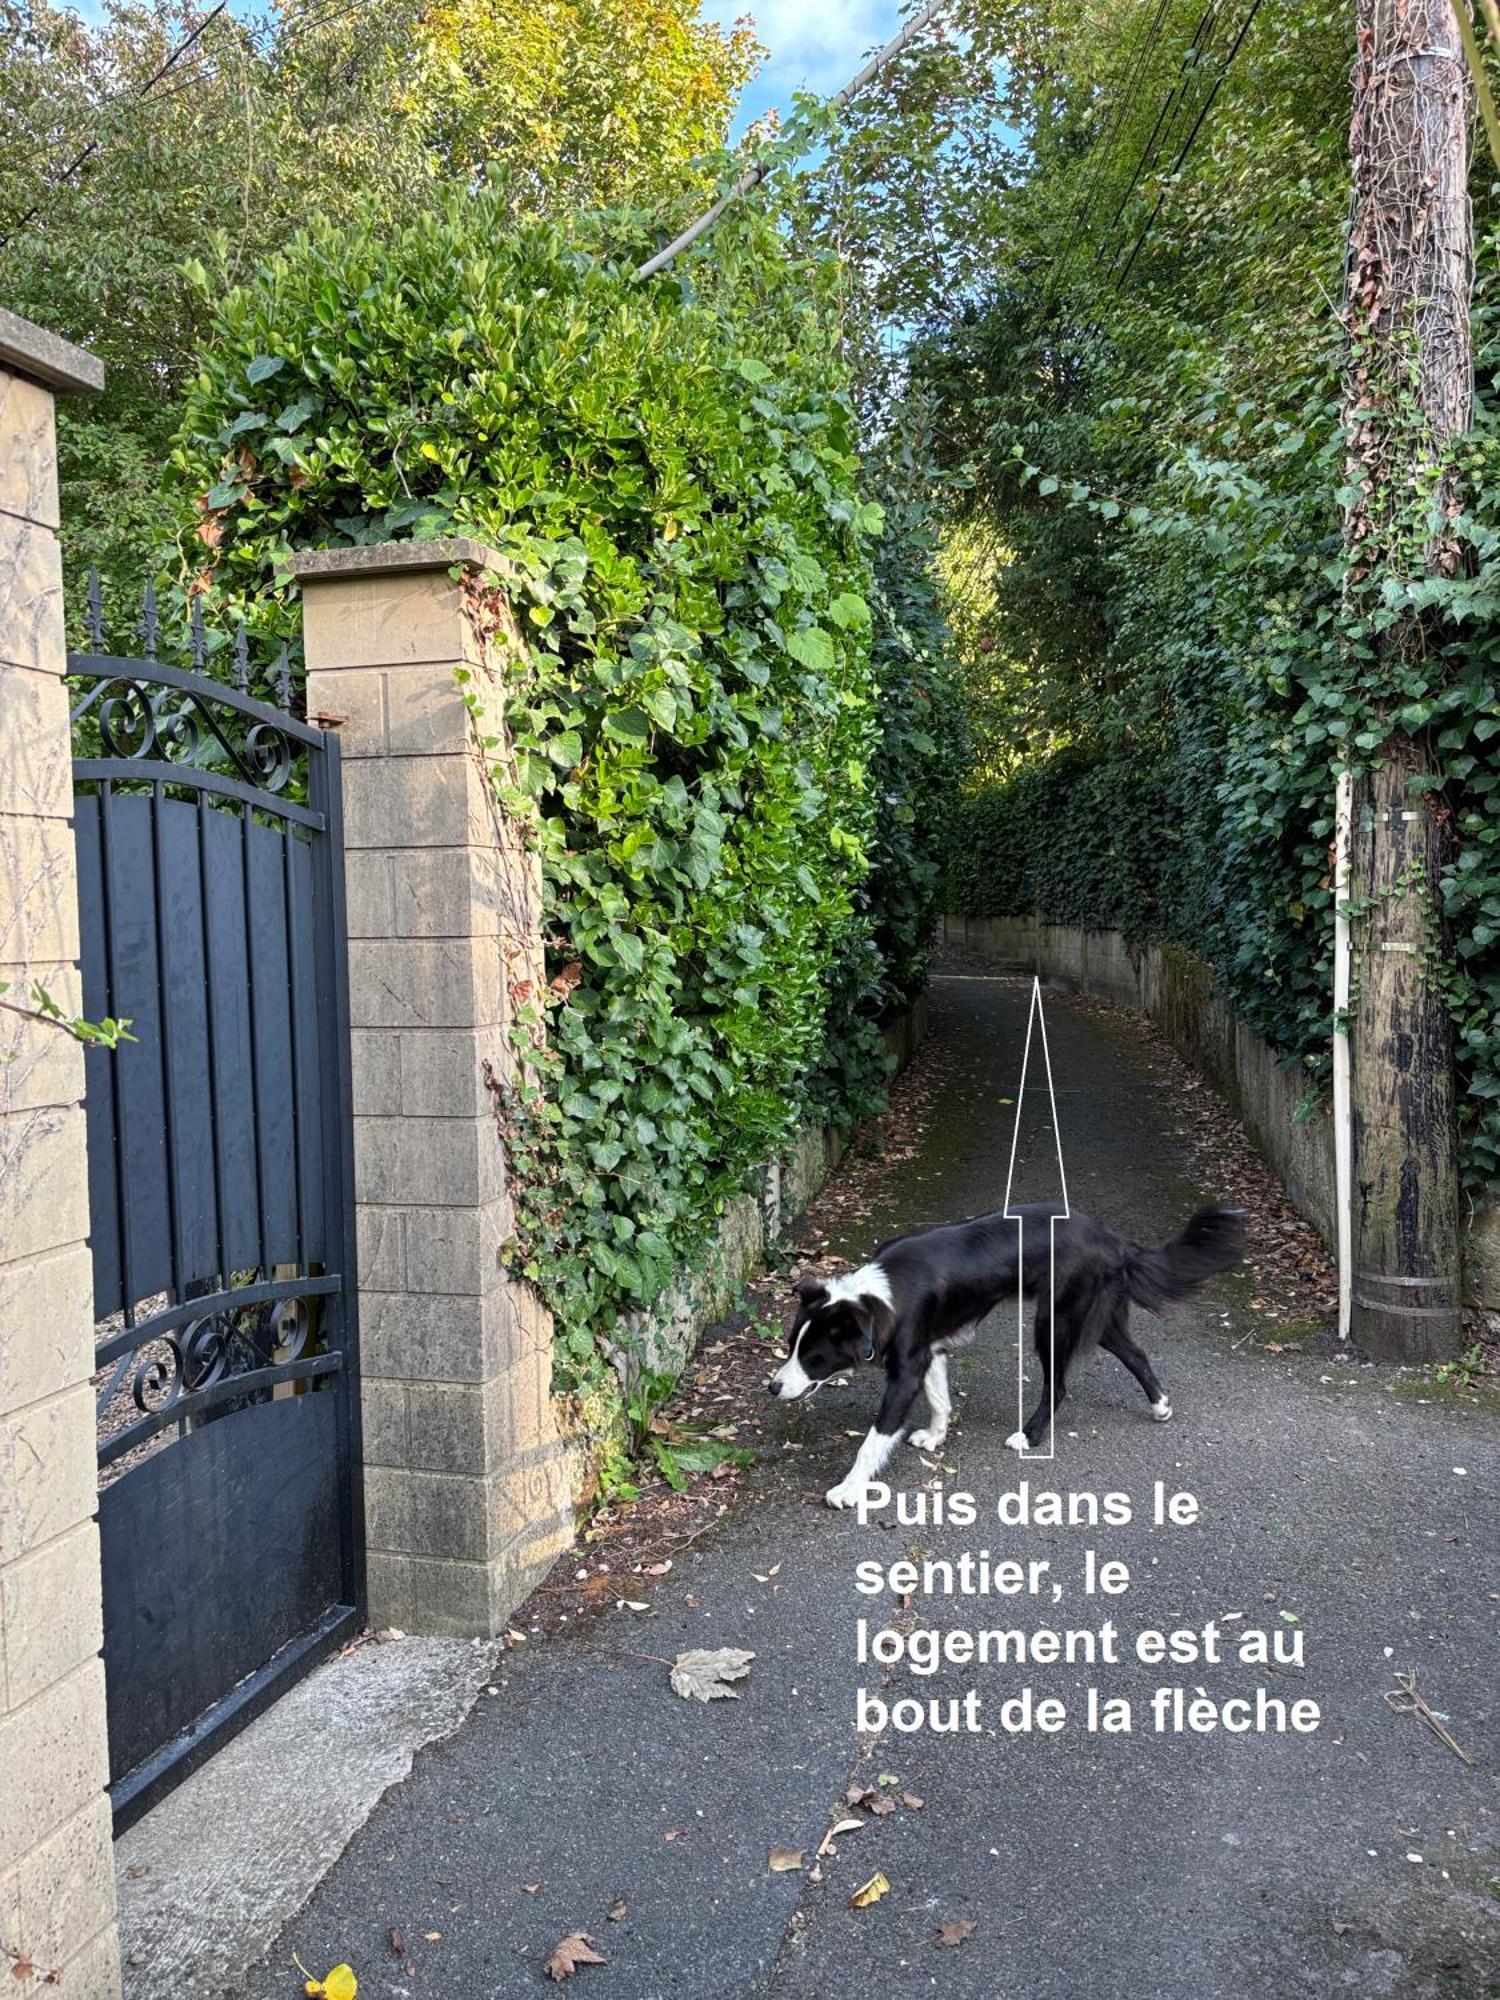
923,1295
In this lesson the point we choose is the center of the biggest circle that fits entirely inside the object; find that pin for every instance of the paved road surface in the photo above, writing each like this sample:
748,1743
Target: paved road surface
1362,1859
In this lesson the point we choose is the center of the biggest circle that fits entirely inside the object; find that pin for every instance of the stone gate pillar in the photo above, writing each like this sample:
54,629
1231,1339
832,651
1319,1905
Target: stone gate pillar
57,1901
466,1480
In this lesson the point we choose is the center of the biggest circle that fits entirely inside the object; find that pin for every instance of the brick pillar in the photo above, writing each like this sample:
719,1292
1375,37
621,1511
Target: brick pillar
466,1480
57,1901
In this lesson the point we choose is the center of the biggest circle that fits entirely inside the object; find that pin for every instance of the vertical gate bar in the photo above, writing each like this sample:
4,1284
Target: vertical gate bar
112,965
295,972
221,1219
331,946
248,827
164,1001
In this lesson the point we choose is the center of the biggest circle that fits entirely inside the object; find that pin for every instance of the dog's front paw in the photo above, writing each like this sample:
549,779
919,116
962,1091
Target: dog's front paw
1162,1411
1018,1441
930,1439
847,1493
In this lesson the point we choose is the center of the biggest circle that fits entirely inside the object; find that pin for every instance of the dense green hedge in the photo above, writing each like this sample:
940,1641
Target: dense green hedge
671,470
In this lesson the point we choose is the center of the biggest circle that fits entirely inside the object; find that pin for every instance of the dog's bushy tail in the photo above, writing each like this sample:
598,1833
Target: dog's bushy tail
1213,1241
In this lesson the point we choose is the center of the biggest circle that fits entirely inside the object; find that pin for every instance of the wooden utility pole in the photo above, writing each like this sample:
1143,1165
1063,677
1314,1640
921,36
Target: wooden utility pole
1408,396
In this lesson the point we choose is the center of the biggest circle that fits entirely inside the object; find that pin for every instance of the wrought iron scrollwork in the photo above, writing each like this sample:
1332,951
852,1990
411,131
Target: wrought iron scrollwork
140,711
142,720
178,1371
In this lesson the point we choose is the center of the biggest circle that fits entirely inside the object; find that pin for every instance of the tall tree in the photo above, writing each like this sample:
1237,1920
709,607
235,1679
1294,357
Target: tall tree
111,190
1408,399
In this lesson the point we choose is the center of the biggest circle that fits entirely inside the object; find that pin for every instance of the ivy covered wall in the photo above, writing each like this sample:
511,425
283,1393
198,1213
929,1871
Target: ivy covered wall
730,723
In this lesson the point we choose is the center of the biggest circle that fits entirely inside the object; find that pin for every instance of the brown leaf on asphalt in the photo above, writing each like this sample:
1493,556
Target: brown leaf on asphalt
576,1949
530,1888
870,1892
825,1845
432,1936
882,1804
954,1933
911,1799
857,1794
617,1910
786,1860
397,1942
704,1675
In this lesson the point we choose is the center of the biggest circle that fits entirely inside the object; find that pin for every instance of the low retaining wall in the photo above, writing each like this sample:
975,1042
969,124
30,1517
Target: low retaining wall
1177,992
751,1224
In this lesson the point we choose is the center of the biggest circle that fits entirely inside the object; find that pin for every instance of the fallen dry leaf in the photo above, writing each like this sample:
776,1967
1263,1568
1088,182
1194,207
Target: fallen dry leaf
617,1910
786,1860
340,1984
840,1826
396,1942
953,1934
774,1570
576,1949
911,1799
530,1888
882,1805
871,1892
703,1675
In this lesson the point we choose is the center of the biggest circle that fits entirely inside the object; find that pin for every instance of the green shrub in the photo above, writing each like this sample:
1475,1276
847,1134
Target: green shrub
670,469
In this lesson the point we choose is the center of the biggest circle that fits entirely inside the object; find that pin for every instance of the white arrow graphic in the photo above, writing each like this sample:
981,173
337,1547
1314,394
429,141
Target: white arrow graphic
1036,1027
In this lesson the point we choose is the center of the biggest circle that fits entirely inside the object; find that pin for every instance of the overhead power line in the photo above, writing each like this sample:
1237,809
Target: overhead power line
1166,118
141,90
753,176
1108,146
1187,144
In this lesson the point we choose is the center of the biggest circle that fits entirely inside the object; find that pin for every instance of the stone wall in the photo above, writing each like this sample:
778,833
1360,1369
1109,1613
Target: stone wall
752,1225
56,1880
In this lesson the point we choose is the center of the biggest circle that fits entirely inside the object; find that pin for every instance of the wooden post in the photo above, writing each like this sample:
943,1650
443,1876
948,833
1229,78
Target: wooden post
1408,395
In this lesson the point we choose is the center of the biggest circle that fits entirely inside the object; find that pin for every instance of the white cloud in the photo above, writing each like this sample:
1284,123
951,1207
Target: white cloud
814,44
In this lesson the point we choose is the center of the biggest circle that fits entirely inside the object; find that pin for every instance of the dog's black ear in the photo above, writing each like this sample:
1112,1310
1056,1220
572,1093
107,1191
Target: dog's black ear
811,1291
874,1318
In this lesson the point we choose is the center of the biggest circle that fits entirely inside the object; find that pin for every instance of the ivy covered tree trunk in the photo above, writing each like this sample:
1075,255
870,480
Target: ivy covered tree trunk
1409,393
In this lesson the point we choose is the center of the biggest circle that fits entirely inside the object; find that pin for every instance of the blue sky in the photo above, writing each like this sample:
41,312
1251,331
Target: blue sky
815,44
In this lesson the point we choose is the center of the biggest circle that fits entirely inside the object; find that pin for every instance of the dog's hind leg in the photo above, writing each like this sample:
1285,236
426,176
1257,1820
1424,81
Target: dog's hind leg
939,1404
1118,1343
1054,1348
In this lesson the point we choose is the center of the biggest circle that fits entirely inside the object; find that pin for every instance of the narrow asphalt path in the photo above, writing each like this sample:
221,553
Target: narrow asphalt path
1363,1858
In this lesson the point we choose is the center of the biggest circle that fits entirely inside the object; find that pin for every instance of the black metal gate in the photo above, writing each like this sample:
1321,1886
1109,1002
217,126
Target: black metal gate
210,871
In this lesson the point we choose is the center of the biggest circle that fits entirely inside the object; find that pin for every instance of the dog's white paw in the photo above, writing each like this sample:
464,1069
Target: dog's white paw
1162,1412
846,1494
930,1439
1018,1441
